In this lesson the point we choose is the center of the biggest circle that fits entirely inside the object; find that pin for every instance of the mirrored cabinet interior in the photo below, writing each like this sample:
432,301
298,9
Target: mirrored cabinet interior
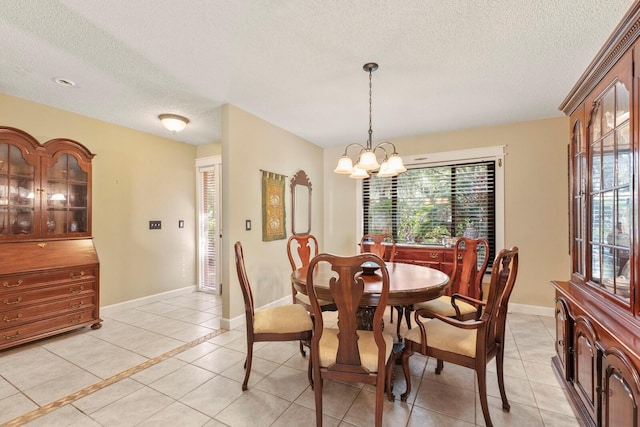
597,327
49,269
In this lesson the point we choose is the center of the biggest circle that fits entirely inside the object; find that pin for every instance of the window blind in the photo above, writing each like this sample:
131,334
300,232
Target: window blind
208,280
428,204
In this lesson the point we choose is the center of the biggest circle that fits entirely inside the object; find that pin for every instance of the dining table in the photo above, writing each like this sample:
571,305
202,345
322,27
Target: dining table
408,284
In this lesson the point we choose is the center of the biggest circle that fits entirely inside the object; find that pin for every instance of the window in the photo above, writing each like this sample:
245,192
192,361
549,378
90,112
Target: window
441,196
208,184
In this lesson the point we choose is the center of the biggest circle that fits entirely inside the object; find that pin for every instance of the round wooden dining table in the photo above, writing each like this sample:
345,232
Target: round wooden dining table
408,283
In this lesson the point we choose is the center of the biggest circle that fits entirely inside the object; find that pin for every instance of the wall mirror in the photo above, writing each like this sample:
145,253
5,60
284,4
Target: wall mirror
301,203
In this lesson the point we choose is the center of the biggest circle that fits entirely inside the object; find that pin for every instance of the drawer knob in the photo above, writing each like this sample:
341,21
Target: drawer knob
76,276
75,291
434,255
42,245
7,285
10,337
75,319
78,305
16,301
7,319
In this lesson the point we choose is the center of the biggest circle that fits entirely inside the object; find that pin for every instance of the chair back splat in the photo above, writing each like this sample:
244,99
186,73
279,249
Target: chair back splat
305,246
379,244
467,272
503,279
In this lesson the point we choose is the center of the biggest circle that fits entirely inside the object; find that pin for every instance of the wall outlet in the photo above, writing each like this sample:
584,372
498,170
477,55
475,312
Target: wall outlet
155,225
180,223
247,225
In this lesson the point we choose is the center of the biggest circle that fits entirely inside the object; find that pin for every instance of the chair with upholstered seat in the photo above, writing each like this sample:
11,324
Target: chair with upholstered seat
282,323
378,244
346,353
300,249
472,343
466,281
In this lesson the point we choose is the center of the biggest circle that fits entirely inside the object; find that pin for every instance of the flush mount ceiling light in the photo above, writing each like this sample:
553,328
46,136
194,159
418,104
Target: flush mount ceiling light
173,122
367,162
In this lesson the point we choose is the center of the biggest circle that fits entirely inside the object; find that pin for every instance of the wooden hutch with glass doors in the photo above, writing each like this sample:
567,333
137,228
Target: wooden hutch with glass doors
49,269
598,308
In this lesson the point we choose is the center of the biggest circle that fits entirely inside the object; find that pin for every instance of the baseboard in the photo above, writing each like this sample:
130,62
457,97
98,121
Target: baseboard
110,309
239,321
531,309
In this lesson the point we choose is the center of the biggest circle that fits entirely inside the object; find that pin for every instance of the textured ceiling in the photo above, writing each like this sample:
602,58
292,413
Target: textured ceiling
444,65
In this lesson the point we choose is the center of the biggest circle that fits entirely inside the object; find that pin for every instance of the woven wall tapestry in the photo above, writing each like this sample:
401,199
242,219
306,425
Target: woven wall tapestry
273,213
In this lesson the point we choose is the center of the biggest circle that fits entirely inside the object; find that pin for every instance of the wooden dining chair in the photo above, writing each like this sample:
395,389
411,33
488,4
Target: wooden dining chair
300,249
471,343
346,353
378,244
466,280
282,323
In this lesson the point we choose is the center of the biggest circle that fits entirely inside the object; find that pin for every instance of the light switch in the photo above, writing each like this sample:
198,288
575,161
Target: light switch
247,224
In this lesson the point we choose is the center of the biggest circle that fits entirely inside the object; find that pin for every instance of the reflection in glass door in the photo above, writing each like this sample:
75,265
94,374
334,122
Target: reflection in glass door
209,232
610,191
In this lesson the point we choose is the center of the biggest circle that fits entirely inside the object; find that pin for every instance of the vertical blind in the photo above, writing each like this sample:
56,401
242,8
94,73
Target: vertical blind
428,204
208,271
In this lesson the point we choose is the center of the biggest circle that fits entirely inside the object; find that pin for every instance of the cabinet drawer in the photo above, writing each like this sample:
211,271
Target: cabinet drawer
33,313
19,282
448,256
15,300
28,332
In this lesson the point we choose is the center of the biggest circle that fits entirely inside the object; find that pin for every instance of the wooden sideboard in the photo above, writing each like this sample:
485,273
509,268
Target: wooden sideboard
437,257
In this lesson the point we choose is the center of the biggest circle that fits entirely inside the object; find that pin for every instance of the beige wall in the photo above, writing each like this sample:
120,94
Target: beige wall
140,177
209,150
536,217
250,144
137,177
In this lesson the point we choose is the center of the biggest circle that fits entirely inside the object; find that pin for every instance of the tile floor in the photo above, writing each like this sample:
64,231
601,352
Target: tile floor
167,363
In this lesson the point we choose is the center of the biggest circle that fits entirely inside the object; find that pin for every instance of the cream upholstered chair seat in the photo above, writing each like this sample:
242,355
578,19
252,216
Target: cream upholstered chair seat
446,337
442,305
282,320
366,345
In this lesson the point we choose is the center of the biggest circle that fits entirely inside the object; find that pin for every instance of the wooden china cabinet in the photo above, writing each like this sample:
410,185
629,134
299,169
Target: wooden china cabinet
598,308
49,269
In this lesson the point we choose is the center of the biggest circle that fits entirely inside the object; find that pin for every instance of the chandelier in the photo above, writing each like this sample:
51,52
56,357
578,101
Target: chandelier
368,162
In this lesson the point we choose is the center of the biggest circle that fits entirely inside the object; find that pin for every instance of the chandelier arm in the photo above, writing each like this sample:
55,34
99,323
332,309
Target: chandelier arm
387,143
351,145
379,146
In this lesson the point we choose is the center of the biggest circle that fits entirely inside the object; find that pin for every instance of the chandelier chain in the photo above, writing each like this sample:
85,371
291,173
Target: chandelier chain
369,142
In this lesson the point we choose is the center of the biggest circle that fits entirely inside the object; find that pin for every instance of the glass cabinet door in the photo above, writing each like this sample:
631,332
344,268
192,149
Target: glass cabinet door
579,188
17,194
610,196
67,197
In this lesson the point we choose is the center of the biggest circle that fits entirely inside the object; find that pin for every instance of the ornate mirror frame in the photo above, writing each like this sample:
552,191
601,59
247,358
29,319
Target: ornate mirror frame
300,203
